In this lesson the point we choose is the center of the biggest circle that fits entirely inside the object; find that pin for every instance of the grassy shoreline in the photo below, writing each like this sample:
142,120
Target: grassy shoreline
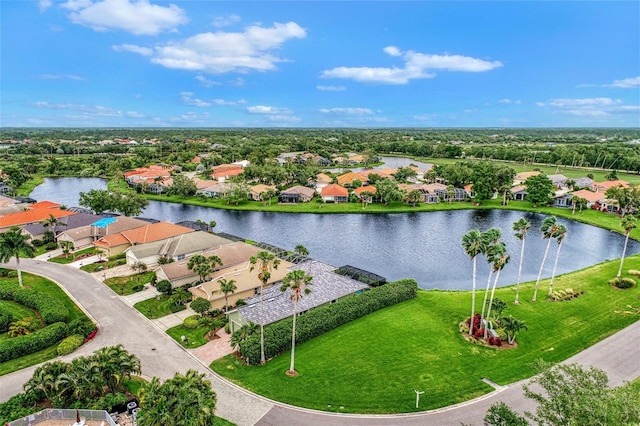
372,365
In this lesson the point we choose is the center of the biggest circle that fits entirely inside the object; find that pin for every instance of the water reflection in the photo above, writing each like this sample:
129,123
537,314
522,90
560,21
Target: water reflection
424,246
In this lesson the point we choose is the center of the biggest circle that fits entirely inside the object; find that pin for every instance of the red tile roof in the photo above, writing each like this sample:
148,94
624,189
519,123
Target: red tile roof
334,190
362,189
590,196
32,216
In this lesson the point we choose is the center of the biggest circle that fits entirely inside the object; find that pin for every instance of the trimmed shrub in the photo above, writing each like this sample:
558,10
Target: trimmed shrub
191,322
277,336
562,295
5,321
82,326
634,272
34,342
622,282
51,309
70,344
138,287
176,308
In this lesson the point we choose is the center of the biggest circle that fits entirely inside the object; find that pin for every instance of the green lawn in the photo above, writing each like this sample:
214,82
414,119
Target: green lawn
195,337
374,364
156,307
124,286
18,312
44,286
72,257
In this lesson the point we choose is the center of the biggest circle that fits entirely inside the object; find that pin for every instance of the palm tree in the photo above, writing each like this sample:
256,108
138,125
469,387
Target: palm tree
500,260
473,245
265,262
559,234
51,222
628,224
14,243
214,261
489,240
44,378
547,228
116,365
301,250
512,326
366,197
226,287
203,266
243,333
298,282
520,227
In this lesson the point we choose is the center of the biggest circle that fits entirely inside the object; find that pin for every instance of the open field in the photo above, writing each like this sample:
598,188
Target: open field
373,365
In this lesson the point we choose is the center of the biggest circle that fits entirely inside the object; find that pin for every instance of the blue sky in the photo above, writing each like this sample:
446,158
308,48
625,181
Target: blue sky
147,63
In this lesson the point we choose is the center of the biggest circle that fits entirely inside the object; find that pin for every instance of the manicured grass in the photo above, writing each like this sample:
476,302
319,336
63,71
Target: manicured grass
99,266
72,257
124,286
374,364
28,360
156,307
134,384
195,337
18,312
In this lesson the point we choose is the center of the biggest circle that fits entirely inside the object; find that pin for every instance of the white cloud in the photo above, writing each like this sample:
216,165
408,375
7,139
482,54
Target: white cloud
425,117
60,77
347,111
144,51
138,17
134,114
223,102
263,109
331,88
220,52
507,101
43,5
589,107
188,99
94,110
225,21
206,82
626,83
416,66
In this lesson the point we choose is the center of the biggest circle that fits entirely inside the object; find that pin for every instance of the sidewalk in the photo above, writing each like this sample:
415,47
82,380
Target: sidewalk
171,320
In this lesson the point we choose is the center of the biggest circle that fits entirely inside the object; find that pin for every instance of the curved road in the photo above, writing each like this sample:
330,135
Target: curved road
119,323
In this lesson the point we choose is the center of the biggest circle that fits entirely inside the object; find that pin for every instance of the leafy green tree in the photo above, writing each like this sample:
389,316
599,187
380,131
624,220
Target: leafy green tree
413,197
628,223
50,223
200,305
265,262
366,197
298,283
227,287
183,399
301,250
403,174
387,190
539,190
512,327
98,200
559,233
130,204
116,365
472,244
485,180
66,247
164,287
520,227
628,198
243,333
548,228
14,243
500,414
182,186
43,380
505,176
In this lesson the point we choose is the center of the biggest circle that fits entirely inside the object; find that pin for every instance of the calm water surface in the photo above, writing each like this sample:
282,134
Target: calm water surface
424,246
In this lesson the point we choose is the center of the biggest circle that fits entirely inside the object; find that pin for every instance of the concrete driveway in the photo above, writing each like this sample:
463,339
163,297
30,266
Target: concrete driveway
618,355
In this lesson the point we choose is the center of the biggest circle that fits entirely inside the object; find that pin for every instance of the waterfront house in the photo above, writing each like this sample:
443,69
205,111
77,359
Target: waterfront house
296,194
114,244
335,194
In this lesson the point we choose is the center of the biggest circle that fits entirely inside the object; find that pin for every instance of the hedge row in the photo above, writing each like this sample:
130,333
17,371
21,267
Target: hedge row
34,342
5,321
51,309
277,337
70,344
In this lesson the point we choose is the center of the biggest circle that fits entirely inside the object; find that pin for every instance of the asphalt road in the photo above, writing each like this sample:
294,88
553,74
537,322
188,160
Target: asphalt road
618,355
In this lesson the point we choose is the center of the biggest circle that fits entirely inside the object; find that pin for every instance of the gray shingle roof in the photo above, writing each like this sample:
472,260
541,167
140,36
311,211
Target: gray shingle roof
325,287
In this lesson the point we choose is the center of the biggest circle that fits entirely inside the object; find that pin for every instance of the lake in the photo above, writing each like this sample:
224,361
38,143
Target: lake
424,246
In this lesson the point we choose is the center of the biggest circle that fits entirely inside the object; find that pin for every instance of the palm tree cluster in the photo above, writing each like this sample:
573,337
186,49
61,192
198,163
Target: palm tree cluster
204,266
85,379
182,400
265,262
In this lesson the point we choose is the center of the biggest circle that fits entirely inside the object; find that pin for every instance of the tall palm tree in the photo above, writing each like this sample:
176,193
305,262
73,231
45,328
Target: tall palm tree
628,224
226,287
520,227
299,283
547,228
500,260
490,239
560,232
14,243
265,262
472,245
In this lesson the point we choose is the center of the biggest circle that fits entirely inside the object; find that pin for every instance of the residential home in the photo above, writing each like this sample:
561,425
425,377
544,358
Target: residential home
559,181
114,244
216,189
519,192
335,193
247,283
147,175
257,191
562,199
368,188
225,171
175,248
604,186
85,236
296,194
349,177
34,213
591,197
327,287
36,230
522,177
232,254
582,182
322,180
370,172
